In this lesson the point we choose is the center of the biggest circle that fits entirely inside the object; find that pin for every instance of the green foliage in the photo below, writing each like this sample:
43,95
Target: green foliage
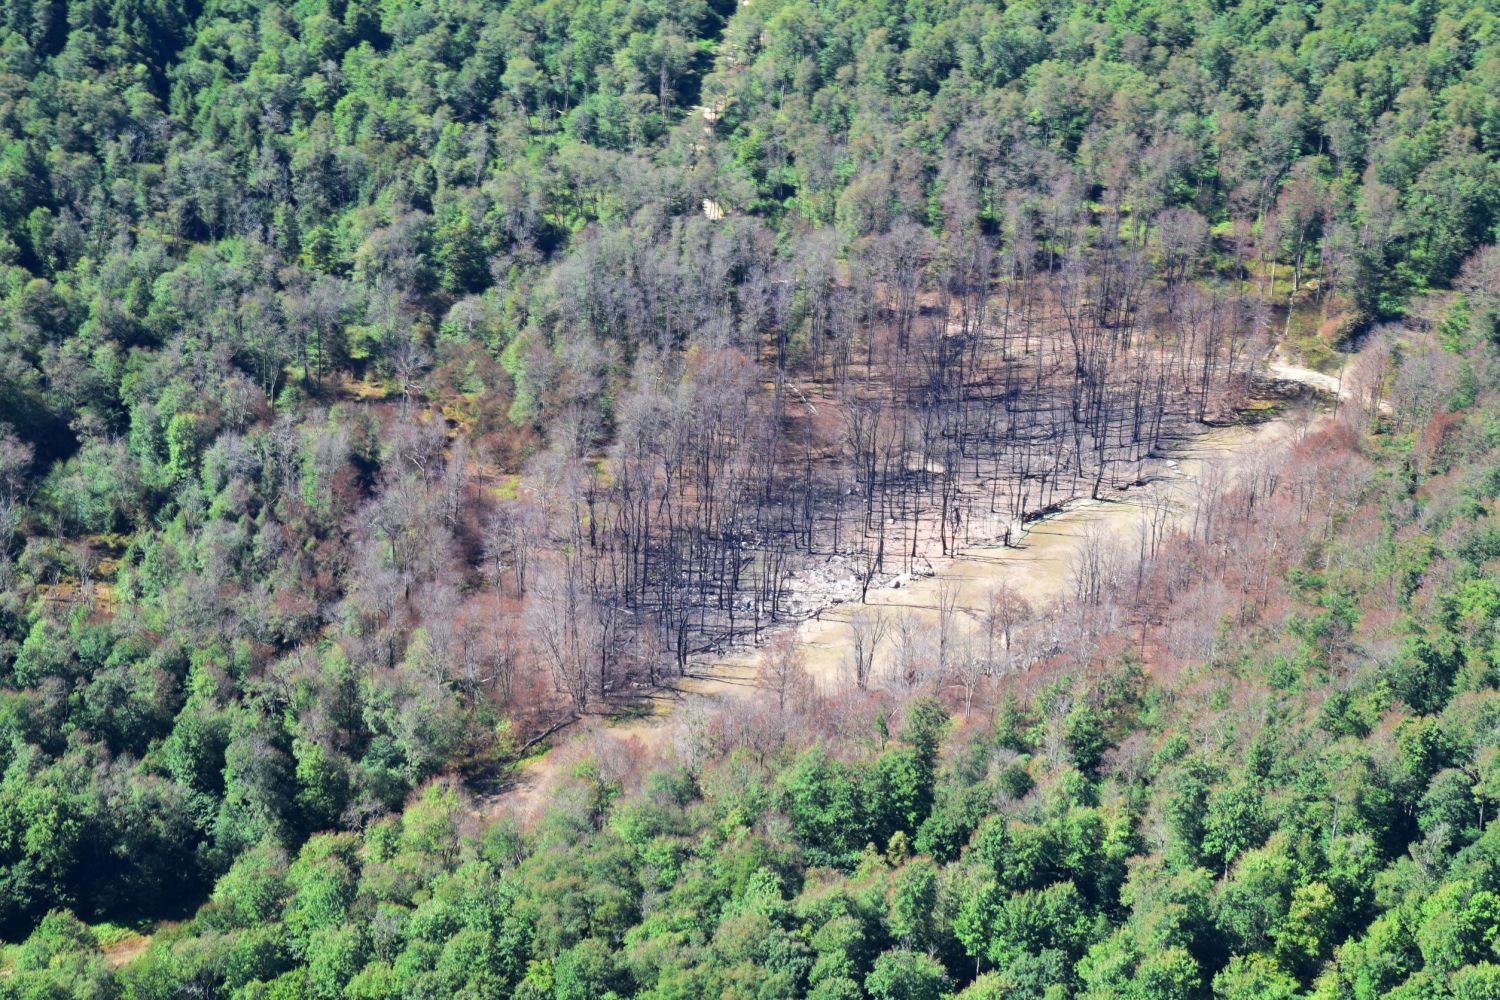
902,975
264,265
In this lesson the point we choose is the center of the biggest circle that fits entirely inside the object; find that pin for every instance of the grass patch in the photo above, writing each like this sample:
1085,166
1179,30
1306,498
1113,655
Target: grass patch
112,935
365,390
507,486
1304,341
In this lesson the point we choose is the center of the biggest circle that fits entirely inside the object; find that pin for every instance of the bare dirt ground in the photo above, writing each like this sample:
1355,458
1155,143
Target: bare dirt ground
126,950
1280,368
1040,567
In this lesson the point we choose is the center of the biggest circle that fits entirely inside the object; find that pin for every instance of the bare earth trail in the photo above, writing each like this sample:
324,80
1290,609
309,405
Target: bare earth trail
1039,567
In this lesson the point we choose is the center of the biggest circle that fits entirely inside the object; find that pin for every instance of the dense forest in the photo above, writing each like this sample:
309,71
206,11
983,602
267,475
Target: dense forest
386,385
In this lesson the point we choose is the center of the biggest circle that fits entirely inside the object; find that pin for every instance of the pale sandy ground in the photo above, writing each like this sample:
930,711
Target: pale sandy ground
1040,567
1330,384
127,950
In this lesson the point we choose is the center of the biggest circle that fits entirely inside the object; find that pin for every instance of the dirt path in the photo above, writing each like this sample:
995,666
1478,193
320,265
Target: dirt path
1039,566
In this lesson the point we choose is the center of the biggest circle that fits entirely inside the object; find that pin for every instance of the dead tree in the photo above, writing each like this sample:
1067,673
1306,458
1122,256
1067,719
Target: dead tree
1006,611
867,629
782,671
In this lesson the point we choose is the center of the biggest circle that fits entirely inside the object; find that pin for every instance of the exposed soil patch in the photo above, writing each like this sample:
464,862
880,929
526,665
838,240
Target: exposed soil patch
121,953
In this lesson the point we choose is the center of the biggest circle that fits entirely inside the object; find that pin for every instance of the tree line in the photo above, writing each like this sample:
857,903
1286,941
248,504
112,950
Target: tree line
342,344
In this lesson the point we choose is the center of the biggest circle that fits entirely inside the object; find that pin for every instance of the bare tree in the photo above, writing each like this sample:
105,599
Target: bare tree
15,459
511,536
1007,610
1182,234
1480,275
1156,514
408,361
1093,565
1213,483
564,628
1364,383
867,629
901,255
911,650
947,607
782,671
969,669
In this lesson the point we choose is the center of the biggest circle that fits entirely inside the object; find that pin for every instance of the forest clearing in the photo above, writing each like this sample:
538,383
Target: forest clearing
1042,568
